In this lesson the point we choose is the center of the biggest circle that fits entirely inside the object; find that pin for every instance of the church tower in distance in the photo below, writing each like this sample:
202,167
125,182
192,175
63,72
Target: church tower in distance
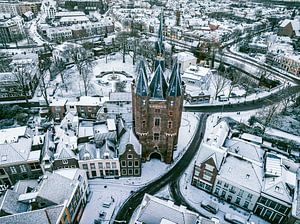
157,106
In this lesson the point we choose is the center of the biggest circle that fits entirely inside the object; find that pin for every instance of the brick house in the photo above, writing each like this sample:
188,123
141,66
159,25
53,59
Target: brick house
130,155
58,109
207,166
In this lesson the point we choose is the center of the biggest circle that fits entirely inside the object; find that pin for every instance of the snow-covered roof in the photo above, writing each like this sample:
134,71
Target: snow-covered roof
242,173
251,138
196,72
129,138
71,174
211,151
153,210
9,203
74,19
69,13
111,125
185,56
58,103
11,135
273,165
281,187
41,216
56,188
218,134
15,152
245,149
120,96
89,101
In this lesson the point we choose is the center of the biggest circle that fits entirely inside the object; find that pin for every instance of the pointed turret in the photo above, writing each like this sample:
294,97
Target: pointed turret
159,44
142,82
175,82
141,66
158,85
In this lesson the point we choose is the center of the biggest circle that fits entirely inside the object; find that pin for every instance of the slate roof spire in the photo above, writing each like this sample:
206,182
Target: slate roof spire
142,81
158,86
175,82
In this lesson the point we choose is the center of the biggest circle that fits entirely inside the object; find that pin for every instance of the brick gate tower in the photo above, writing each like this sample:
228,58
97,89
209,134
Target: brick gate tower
157,106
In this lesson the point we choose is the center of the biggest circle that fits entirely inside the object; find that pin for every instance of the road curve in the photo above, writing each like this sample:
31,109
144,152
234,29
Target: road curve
247,105
127,209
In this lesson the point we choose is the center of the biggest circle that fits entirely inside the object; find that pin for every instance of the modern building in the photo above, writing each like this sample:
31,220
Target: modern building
157,107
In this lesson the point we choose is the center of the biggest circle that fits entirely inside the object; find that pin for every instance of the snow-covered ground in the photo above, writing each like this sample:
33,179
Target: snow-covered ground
73,86
120,189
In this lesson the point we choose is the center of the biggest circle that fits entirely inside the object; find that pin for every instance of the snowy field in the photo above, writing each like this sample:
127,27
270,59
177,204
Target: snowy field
73,86
120,189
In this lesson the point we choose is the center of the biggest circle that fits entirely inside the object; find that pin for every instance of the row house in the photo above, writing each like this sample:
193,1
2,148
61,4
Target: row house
19,8
279,187
238,171
130,151
58,33
58,197
99,161
17,159
87,5
240,187
61,145
289,63
86,107
11,29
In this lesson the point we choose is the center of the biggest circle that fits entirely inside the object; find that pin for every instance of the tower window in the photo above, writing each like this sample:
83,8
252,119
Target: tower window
172,103
170,124
156,122
144,124
157,110
144,102
171,113
156,136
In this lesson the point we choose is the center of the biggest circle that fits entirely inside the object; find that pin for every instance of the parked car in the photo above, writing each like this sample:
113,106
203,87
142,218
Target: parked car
210,206
234,219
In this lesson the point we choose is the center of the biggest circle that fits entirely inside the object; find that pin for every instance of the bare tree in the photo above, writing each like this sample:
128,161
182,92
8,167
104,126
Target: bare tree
268,115
234,78
44,66
22,77
219,83
84,66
